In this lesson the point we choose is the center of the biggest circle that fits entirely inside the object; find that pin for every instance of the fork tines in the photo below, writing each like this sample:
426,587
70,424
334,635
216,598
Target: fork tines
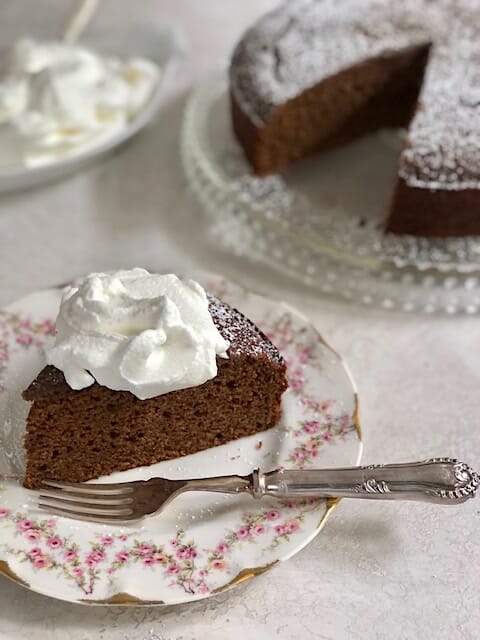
82,501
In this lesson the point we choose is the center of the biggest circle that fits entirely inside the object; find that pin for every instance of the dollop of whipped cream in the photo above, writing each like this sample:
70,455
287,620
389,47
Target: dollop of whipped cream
136,331
58,99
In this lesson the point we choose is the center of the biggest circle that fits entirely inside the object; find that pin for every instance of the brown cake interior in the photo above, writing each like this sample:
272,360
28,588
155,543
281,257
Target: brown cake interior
80,435
437,213
381,92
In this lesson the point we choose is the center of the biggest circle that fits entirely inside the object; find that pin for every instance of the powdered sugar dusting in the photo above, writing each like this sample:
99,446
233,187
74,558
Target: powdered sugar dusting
443,147
244,336
305,41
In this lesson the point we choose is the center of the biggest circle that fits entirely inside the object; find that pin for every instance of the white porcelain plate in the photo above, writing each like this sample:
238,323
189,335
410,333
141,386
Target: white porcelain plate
159,43
202,543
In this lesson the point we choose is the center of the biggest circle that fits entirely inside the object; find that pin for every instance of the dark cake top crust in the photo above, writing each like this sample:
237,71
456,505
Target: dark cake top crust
304,42
244,336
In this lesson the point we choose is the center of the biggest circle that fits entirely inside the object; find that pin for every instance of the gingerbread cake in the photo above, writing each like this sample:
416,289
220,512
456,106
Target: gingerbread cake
315,74
77,435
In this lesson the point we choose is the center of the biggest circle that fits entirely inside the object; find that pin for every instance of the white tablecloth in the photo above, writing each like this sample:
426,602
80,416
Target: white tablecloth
391,571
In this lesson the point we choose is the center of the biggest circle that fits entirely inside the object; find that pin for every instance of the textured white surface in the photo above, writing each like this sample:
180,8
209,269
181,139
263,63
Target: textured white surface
389,571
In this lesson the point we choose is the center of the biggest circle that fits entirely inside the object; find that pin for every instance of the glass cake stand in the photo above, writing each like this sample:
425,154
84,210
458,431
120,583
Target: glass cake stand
322,221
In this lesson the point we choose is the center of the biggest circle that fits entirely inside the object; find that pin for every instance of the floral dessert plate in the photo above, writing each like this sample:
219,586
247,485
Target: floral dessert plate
202,543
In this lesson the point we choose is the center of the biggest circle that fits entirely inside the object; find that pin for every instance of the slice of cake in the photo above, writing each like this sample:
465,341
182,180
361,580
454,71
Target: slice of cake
146,368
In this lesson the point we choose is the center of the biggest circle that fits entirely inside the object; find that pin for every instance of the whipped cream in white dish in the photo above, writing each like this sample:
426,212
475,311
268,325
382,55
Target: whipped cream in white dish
58,99
136,331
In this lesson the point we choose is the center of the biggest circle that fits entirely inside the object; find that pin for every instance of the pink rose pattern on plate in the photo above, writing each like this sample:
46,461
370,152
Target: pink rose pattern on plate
181,562
20,332
322,424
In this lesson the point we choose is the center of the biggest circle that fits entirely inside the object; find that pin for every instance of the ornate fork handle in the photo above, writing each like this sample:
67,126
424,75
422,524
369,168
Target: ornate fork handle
439,480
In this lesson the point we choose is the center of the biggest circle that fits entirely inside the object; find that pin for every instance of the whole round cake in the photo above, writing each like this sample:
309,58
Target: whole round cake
315,74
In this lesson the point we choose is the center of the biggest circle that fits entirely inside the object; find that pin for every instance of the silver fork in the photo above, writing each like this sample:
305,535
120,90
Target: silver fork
439,480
